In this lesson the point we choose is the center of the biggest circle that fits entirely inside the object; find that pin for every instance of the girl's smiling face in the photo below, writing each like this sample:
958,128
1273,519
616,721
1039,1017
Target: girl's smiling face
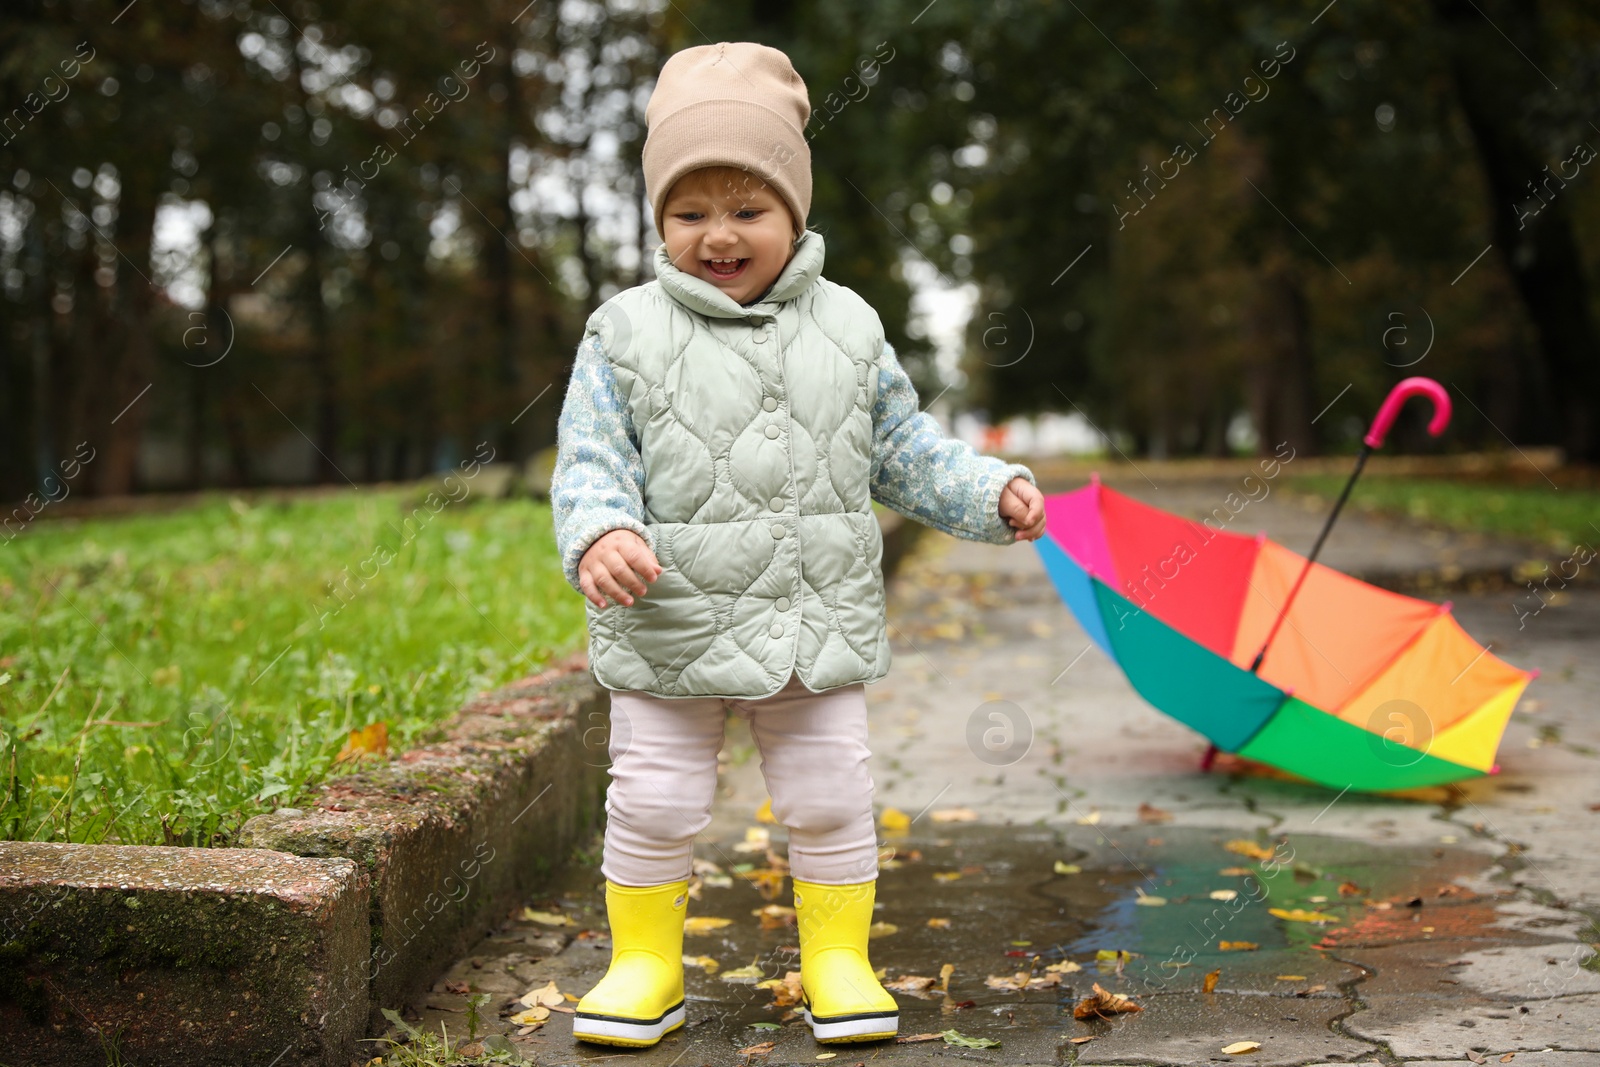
730,228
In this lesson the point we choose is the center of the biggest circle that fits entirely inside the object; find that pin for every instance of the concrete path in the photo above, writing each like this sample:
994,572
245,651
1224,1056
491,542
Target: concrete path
1466,917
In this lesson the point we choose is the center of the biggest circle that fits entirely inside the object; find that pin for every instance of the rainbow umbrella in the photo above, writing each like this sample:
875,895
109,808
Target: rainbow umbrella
1273,656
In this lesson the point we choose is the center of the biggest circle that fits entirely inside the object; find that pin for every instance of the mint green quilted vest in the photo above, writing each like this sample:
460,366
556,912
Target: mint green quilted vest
755,427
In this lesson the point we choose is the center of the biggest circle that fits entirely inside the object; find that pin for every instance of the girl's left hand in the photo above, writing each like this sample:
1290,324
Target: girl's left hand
1022,505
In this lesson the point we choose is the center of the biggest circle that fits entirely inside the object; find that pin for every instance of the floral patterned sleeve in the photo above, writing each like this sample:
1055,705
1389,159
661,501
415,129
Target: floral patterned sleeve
939,481
598,484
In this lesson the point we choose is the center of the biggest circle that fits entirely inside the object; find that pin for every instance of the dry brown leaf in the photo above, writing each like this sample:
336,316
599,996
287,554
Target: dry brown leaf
1235,872
1241,1047
546,995
1211,980
1022,980
1103,1004
785,991
768,882
911,1039
1151,813
774,916
1349,889
758,1050
939,923
910,983
1476,1057
944,976
1083,1040
1291,978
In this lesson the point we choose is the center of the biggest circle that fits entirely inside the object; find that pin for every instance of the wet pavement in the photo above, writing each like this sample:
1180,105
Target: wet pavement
1082,844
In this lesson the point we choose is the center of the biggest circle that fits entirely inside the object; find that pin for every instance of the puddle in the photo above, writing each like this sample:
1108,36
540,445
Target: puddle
1002,908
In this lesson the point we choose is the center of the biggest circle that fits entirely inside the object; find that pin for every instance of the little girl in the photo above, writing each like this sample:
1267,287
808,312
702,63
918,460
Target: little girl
724,434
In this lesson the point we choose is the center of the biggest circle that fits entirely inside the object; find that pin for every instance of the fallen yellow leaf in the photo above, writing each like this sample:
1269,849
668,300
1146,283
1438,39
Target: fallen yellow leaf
1147,900
946,876
740,974
894,819
1211,980
1291,978
705,963
1237,946
1249,848
764,812
1091,819
1067,868
370,740
1064,967
1239,1047
547,918
939,923
1224,894
1300,915
881,929
704,924
530,1016
954,815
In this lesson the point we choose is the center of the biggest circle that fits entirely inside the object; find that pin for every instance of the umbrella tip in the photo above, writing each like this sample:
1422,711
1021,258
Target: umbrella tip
1094,477
1533,674
1446,606
1495,769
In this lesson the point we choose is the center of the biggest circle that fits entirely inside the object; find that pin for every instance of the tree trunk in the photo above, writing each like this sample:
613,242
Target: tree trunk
1533,233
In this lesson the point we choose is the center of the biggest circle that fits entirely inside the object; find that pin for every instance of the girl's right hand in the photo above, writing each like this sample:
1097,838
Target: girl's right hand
617,565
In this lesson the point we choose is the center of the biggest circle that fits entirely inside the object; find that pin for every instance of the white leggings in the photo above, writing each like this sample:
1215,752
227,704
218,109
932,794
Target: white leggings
664,775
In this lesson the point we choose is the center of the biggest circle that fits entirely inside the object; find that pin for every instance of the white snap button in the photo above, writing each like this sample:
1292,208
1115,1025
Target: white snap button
776,503
769,403
783,603
776,630
772,432
778,532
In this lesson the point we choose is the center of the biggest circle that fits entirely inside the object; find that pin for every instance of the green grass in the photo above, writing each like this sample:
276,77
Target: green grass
165,677
1559,518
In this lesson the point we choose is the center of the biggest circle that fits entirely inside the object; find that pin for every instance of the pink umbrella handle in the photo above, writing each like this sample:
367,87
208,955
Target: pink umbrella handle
1396,400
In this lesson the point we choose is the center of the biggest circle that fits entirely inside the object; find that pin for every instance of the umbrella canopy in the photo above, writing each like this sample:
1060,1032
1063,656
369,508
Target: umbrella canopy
1361,688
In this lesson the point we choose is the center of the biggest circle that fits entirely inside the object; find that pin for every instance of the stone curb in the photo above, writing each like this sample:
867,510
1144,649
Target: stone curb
179,955
455,834
286,949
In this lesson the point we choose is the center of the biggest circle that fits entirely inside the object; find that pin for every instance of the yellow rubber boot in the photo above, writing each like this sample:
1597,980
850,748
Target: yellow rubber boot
843,999
641,996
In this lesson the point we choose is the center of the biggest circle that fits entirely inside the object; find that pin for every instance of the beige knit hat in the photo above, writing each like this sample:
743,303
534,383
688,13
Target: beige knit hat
733,104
